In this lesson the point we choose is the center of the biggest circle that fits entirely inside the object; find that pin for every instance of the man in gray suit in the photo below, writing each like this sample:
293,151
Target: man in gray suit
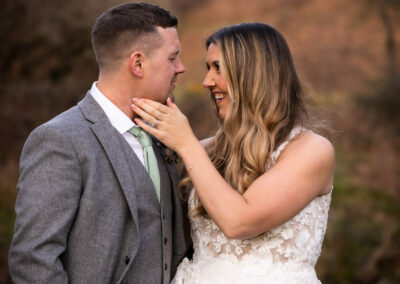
87,209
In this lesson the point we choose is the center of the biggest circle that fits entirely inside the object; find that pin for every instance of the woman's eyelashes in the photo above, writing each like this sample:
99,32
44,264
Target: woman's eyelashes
215,65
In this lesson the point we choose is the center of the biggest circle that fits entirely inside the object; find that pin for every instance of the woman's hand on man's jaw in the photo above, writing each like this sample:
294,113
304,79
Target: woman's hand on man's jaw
166,122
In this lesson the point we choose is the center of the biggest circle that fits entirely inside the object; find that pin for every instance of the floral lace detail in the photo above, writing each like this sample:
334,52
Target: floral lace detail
299,239
285,254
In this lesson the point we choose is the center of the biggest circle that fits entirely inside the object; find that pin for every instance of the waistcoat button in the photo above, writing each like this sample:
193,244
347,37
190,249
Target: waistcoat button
126,260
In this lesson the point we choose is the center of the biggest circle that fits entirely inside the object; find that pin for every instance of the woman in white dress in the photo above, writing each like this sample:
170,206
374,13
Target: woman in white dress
262,185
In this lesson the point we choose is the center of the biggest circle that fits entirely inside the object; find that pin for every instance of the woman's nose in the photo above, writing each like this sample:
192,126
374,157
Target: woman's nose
208,81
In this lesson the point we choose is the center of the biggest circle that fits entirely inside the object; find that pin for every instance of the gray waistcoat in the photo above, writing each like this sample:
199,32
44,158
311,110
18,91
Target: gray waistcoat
153,258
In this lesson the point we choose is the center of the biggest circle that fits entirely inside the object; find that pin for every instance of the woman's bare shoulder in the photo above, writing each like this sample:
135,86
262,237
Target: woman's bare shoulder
311,143
314,154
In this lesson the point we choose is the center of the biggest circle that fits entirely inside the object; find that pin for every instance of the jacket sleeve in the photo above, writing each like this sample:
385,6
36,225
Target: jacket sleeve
49,190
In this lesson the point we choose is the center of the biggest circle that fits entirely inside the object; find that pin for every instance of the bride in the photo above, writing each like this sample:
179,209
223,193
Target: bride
261,187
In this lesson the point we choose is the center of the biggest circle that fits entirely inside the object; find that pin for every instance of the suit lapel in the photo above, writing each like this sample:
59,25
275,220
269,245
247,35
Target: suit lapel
108,138
112,147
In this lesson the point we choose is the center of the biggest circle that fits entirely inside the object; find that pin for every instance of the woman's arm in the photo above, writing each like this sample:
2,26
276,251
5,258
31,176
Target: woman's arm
303,171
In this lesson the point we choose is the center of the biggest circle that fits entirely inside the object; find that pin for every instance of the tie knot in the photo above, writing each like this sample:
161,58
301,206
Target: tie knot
141,135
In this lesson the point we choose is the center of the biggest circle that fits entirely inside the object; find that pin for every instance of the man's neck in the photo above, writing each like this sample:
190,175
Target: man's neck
118,93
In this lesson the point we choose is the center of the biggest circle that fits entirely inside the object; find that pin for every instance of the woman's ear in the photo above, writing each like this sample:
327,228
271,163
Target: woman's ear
136,63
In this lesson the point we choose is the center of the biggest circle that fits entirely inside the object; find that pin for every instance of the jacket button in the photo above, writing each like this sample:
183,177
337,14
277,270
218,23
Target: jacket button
165,241
165,267
126,260
163,216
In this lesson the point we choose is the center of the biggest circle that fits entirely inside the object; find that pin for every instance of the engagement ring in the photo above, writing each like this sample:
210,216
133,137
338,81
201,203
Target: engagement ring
155,123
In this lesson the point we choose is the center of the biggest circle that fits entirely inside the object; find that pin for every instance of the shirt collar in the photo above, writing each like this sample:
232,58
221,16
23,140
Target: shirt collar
118,119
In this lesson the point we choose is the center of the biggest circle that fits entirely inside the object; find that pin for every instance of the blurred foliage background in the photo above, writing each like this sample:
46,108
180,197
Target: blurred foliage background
346,52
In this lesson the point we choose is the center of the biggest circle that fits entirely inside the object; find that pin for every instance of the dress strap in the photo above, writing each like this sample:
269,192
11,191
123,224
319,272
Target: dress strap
275,155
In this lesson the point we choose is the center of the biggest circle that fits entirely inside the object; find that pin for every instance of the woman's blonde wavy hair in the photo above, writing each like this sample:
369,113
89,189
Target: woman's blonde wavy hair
266,103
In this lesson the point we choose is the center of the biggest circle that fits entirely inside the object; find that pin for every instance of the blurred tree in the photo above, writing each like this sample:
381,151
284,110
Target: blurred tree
376,112
46,64
183,5
384,8
384,97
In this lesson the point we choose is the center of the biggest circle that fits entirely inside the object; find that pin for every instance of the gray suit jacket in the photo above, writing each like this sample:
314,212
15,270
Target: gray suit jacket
78,216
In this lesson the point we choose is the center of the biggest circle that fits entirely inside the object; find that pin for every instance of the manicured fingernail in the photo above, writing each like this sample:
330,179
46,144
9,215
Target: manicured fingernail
133,106
134,100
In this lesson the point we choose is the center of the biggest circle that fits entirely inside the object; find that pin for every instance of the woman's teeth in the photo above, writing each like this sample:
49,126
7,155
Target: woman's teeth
219,97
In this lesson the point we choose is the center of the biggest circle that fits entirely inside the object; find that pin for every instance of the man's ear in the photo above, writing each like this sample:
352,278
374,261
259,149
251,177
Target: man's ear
136,63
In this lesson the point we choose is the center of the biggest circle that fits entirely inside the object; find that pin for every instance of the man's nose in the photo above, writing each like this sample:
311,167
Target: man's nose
180,68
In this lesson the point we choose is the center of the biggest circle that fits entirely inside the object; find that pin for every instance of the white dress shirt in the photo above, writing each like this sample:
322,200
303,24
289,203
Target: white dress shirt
121,122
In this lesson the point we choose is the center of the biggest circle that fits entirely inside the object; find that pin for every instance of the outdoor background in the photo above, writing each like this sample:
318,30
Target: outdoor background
346,52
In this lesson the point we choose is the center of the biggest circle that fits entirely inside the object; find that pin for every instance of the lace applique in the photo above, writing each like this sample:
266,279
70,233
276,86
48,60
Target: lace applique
298,239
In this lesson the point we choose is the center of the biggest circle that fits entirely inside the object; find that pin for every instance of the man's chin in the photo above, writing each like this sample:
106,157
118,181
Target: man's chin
164,101
171,96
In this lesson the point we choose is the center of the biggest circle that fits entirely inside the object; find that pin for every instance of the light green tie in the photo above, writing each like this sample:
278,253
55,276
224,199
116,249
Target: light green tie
150,160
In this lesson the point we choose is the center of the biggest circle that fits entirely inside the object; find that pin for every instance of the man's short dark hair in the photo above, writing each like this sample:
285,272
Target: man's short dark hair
123,26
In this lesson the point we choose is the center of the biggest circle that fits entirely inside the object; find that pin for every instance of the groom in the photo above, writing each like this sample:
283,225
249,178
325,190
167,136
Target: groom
92,207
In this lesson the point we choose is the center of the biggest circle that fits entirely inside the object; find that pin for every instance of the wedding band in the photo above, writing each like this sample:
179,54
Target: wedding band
155,123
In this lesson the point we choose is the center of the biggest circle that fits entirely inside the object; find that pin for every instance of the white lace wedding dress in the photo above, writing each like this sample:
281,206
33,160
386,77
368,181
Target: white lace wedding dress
286,254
